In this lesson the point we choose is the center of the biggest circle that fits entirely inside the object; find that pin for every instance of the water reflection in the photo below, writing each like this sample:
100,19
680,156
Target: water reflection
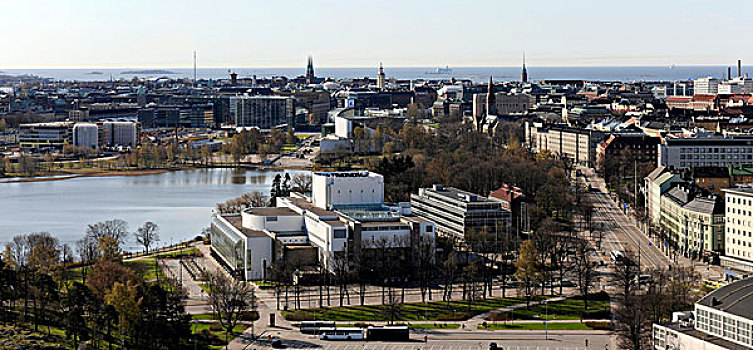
180,202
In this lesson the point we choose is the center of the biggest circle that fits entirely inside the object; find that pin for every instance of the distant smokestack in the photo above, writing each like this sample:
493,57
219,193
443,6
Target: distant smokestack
729,72
739,68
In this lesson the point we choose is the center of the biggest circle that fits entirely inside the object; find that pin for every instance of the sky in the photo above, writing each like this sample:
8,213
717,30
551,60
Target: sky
361,33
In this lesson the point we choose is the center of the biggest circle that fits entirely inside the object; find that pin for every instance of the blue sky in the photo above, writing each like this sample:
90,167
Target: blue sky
360,33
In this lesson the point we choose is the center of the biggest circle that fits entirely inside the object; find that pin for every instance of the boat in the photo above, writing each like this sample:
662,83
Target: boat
445,70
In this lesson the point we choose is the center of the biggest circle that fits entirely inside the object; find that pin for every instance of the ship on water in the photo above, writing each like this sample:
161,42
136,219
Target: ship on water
445,70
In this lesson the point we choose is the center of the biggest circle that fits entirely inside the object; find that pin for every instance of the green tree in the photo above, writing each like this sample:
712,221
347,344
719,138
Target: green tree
124,298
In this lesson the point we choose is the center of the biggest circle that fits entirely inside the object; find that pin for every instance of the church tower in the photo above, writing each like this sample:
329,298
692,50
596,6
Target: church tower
310,71
491,100
524,72
380,77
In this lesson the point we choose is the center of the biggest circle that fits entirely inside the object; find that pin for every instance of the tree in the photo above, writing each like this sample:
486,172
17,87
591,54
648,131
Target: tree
105,274
527,269
115,228
633,325
163,322
229,298
124,298
109,248
76,301
301,183
147,235
584,269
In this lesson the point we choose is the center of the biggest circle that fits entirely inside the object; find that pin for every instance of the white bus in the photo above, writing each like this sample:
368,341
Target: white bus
341,333
312,327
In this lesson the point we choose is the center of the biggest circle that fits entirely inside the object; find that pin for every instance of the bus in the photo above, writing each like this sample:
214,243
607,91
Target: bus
616,255
388,333
312,327
341,333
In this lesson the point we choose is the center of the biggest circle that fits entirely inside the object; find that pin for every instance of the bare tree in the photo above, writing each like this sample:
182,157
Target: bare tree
147,235
632,325
302,183
527,270
584,268
254,199
229,299
116,228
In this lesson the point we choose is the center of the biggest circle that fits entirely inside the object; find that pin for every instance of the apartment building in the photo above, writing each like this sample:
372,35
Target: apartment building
692,221
578,145
739,229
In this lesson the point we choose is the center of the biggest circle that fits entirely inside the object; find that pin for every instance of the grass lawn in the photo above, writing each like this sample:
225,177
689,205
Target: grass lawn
568,309
202,317
178,253
570,326
198,328
431,311
204,287
147,267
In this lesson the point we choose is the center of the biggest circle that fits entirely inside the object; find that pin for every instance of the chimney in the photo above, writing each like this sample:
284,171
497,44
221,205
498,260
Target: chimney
739,68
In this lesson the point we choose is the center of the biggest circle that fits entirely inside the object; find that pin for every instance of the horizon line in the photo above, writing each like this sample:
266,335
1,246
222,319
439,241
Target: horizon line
363,67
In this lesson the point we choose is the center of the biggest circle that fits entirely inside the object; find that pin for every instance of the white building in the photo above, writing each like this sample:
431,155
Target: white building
657,183
739,85
738,229
681,153
723,320
706,86
85,135
346,210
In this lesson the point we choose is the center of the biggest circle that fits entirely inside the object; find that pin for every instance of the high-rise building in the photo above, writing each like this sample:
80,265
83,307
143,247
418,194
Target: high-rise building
119,134
706,86
86,135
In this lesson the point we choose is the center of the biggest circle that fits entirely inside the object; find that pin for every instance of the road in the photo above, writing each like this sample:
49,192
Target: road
619,231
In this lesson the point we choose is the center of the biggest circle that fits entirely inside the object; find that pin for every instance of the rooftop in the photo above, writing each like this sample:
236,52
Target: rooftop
735,298
236,221
271,211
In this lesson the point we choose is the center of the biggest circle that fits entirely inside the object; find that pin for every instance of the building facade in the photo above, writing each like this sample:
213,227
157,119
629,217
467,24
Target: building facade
578,145
680,153
457,212
739,229
263,112
86,135
692,221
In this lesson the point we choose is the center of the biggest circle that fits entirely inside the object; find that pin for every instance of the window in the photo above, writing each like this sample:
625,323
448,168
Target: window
429,229
271,218
339,233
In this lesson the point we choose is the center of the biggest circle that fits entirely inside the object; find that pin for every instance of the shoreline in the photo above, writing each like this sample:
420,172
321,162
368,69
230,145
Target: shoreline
68,176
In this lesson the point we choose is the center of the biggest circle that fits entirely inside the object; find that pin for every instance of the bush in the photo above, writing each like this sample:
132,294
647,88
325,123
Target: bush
455,317
299,317
248,316
599,326
216,328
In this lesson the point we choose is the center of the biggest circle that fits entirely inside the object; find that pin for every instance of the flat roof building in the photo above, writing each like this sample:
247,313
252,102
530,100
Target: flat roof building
456,212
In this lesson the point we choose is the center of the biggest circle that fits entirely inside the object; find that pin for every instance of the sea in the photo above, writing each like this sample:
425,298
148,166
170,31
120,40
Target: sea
478,74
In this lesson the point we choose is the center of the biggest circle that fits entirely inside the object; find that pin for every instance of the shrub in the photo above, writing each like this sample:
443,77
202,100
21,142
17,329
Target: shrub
455,317
600,326
216,328
299,317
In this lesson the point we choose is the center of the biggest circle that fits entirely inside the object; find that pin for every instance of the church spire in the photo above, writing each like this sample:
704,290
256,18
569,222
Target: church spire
310,71
524,72
491,100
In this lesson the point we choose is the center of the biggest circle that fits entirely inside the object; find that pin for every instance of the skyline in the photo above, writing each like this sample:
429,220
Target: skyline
142,34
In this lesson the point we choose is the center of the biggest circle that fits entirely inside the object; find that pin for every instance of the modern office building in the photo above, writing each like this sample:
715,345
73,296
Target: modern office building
723,321
45,136
86,135
738,229
115,134
682,153
706,86
264,112
457,212
345,217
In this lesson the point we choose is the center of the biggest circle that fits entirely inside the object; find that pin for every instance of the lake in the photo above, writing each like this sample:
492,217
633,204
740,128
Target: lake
180,202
